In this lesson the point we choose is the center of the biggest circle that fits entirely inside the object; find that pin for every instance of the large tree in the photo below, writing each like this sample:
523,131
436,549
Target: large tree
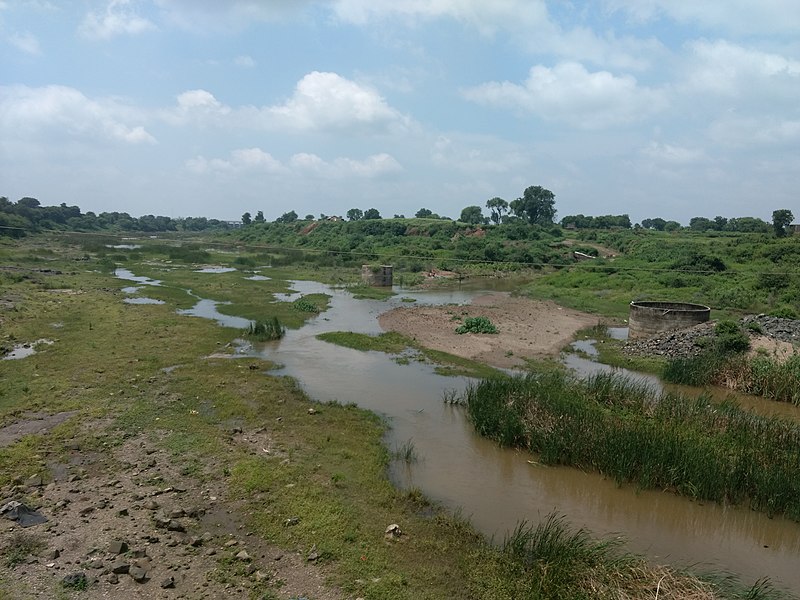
498,207
289,217
355,214
472,215
780,220
537,205
259,218
423,213
246,219
372,213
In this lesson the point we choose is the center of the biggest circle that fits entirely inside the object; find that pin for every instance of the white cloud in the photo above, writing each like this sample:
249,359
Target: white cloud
745,132
468,157
117,19
25,42
244,61
255,160
215,15
725,68
738,16
321,101
669,154
55,110
570,93
527,22
329,101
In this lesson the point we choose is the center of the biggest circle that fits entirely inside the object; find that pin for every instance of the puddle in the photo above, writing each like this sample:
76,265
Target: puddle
215,270
258,278
132,289
124,246
25,350
207,309
142,300
127,275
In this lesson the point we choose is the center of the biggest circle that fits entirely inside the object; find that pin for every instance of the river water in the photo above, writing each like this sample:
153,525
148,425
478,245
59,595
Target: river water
499,487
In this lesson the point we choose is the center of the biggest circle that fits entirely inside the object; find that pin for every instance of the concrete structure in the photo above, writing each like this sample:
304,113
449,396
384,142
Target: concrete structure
648,318
380,276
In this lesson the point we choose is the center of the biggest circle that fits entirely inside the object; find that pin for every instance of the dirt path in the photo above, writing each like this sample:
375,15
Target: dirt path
527,328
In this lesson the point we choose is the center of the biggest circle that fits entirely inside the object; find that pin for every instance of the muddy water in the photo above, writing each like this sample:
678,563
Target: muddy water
498,487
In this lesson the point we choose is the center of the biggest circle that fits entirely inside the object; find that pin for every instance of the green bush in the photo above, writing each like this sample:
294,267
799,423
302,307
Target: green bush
730,338
270,329
476,325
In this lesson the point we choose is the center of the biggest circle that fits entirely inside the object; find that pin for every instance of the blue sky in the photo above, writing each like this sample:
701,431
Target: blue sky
670,108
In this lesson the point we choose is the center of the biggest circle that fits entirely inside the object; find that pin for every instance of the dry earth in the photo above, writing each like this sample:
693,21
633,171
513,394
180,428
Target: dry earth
526,328
135,526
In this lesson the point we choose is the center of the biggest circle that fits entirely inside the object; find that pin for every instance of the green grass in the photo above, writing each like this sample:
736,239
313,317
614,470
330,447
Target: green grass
610,424
395,343
329,469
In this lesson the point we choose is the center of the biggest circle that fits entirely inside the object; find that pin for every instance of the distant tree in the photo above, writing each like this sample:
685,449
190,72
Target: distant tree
537,205
289,217
780,220
498,207
28,202
259,218
372,213
701,224
355,214
399,216
309,217
658,223
672,226
472,215
720,223
423,213
246,219
748,225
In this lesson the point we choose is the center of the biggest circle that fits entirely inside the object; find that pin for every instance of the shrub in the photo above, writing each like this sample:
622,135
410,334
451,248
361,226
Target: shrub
730,338
476,325
270,329
304,305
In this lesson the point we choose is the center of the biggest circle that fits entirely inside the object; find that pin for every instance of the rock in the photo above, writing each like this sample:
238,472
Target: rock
121,567
122,512
177,513
312,411
75,580
34,481
86,510
151,505
393,531
138,574
175,526
168,583
291,521
52,554
113,579
117,547
243,556
261,576
230,543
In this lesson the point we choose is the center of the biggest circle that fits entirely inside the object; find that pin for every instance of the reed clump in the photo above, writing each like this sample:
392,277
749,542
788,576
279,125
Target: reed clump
622,428
266,330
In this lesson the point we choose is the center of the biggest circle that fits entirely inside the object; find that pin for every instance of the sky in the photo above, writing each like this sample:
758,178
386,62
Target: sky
654,108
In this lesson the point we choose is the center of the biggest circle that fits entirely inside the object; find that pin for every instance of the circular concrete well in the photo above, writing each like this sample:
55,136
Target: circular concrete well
648,318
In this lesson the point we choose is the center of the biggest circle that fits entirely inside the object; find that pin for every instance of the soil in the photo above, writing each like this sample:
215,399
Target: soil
183,538
527,329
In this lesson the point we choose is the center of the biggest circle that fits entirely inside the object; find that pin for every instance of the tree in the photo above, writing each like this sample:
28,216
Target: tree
246,219
259,218
658,223
423,213
498,207
289,217
355,214
309,217
672,226
780,220
701,224
537,205
372,213
472,215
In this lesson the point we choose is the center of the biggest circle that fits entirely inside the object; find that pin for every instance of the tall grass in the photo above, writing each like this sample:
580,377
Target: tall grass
690,446
269,329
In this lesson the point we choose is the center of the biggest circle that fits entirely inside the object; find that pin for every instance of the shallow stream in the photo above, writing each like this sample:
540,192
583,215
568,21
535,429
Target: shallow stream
497,487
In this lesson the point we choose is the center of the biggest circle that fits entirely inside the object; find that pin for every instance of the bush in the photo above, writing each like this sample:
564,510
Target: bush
476,325
263,331
730,338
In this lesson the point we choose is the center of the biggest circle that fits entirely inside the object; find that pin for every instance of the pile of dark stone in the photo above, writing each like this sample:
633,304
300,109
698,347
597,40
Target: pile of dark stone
679,343
685,343
786,330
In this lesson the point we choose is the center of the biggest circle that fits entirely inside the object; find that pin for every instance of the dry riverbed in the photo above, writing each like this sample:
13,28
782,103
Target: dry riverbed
526,328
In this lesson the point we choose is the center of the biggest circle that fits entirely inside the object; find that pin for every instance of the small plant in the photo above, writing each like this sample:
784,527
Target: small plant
730,338
270,329
755,327
406,452
304,305
20,547
476,325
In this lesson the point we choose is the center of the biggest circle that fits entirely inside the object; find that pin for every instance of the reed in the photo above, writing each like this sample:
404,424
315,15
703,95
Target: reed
269,329
717,452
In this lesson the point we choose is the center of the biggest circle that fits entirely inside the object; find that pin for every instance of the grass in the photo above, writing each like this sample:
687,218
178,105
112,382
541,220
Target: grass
616,426
395,343
268,329
367,292
330,470
406,452
21,547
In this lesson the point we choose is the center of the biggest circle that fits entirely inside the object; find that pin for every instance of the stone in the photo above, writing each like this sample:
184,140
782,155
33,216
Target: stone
151,505
312,411
121,567
75,580
291,521
393,531
243,556
34,481
177,513
117,547
168,583
113,579
138,574
230,543
175,526
52,554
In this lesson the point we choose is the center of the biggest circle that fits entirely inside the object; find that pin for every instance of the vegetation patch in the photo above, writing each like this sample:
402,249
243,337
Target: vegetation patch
476,325
268,329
